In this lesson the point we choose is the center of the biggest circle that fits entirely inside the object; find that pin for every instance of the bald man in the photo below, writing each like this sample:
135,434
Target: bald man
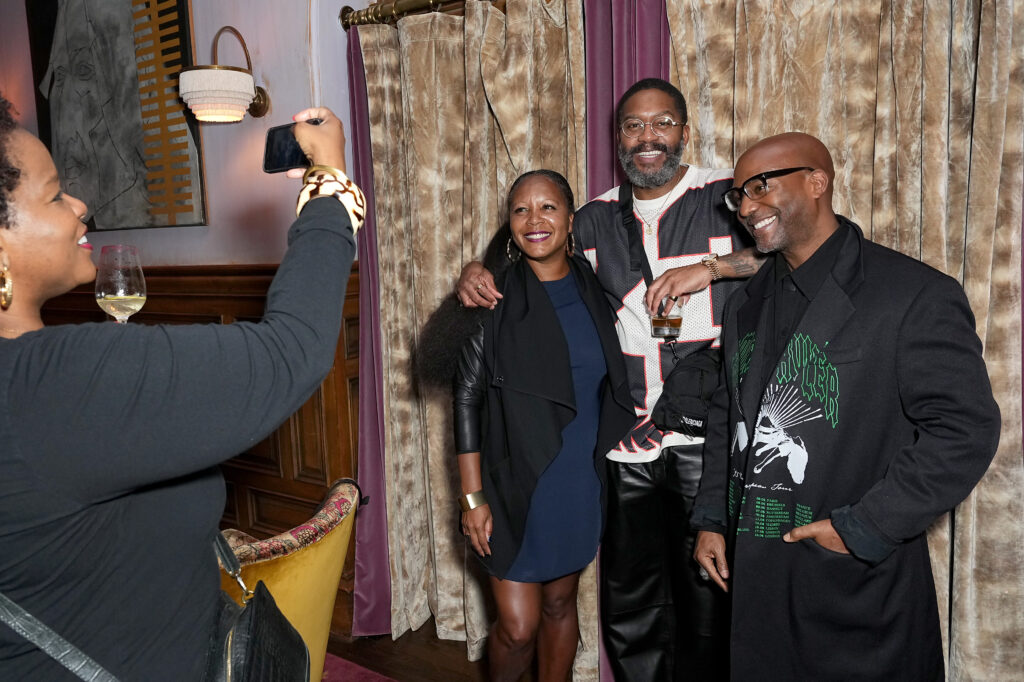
854,411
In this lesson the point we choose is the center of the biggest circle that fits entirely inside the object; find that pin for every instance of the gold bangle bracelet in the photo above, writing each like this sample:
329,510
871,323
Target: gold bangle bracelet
472,500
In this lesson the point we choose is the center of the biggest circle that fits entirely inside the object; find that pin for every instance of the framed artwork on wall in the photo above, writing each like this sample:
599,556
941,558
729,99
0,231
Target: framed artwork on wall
106,78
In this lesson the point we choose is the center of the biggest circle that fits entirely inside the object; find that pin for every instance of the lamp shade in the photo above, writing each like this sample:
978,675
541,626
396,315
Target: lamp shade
222,94
218,94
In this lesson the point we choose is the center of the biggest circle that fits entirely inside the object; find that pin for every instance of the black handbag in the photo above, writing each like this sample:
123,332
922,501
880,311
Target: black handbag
686,394
254,642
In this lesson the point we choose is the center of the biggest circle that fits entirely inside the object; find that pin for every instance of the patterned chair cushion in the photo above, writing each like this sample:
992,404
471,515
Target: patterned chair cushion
336,507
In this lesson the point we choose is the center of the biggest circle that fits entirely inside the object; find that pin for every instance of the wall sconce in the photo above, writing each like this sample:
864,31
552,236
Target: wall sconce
221,94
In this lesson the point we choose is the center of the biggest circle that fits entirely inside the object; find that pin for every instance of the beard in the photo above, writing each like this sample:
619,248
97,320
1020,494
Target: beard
766,245
638,178
776,239
793,229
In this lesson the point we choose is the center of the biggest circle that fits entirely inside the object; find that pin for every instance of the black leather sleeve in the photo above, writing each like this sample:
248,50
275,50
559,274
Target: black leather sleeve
468,393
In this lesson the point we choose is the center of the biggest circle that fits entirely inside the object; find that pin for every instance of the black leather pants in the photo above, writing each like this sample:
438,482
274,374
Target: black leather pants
661,620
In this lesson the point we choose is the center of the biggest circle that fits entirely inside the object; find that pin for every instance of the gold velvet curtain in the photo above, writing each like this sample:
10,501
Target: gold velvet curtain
458,107
922,105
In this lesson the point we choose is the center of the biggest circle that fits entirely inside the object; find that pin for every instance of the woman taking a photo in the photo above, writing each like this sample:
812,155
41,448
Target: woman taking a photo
540,397
110,494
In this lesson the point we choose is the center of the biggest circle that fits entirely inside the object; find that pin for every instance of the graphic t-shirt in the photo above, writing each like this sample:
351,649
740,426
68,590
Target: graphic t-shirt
796,421
799,411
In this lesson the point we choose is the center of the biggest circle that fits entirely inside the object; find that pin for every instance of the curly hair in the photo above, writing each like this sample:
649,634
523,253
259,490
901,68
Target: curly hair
9,173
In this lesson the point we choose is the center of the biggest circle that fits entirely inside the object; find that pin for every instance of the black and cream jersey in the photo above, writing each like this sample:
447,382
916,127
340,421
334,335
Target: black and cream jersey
693,224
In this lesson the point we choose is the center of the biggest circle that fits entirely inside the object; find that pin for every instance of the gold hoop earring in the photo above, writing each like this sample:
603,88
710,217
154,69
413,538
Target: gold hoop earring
570,245
508,251
6,287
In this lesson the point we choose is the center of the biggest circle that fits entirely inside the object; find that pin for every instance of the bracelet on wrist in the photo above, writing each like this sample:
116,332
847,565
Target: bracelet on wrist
472,500
711,263
320,169
327,181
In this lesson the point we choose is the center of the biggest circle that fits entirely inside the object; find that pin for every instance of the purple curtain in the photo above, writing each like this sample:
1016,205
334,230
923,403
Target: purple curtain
371,599
626,40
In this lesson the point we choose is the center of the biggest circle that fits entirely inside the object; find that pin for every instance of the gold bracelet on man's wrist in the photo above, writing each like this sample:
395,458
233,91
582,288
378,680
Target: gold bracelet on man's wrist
327,181
472,500
711,263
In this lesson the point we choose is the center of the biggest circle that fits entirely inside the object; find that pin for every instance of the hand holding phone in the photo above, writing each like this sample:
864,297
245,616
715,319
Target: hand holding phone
282,151
315,138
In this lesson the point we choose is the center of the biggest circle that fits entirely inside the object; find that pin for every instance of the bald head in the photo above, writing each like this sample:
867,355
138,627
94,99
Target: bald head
786,197
788,150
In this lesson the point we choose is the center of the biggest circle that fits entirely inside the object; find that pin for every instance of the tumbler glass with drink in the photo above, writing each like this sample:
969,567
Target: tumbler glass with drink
667,322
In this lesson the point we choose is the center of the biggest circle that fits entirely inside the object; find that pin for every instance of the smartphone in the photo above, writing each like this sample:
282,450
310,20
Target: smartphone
283,151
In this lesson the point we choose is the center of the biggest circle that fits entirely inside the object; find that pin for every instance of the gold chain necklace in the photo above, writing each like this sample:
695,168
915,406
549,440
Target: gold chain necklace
650,218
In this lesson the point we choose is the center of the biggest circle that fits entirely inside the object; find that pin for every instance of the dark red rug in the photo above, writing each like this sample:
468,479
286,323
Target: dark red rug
339,670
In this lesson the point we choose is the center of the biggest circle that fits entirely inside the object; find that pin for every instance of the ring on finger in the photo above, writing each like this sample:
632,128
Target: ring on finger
674,298
479,286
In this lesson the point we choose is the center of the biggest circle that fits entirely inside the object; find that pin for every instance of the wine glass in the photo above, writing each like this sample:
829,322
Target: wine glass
120,286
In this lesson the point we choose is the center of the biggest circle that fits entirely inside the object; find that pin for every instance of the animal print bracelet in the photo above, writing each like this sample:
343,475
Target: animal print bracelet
324,181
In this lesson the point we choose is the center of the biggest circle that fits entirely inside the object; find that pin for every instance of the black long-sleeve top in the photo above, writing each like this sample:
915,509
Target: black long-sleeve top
109,437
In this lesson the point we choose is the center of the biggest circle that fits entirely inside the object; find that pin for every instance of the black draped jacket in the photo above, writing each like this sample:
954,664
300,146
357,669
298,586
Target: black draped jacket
514,395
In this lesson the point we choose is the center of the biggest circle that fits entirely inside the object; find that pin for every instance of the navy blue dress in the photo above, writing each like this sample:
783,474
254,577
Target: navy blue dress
563,526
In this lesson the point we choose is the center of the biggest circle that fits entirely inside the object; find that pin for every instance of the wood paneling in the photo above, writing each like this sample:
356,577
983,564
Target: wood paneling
278,483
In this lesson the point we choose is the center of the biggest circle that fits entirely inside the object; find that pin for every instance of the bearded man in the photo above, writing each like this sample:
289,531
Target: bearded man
661,620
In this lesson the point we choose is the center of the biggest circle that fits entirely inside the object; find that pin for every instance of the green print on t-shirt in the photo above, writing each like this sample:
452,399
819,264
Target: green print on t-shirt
805,388
741,358
771,516
806,363
735,498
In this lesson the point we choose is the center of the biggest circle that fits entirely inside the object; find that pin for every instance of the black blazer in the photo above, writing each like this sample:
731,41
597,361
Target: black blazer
908,425
513,396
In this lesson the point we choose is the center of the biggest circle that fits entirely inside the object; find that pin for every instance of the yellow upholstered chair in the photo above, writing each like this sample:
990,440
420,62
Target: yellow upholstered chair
302,567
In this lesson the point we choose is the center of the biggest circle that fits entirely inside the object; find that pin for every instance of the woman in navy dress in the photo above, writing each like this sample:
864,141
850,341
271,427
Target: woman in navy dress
540,397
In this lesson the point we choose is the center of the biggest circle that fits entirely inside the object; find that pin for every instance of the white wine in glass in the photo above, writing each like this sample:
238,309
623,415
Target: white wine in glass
120,285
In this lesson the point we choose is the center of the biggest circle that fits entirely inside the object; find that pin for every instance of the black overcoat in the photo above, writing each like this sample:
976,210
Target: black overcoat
515,377
880,416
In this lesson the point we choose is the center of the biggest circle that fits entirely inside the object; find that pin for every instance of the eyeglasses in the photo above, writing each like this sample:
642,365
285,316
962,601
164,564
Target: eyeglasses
634,127
756,187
